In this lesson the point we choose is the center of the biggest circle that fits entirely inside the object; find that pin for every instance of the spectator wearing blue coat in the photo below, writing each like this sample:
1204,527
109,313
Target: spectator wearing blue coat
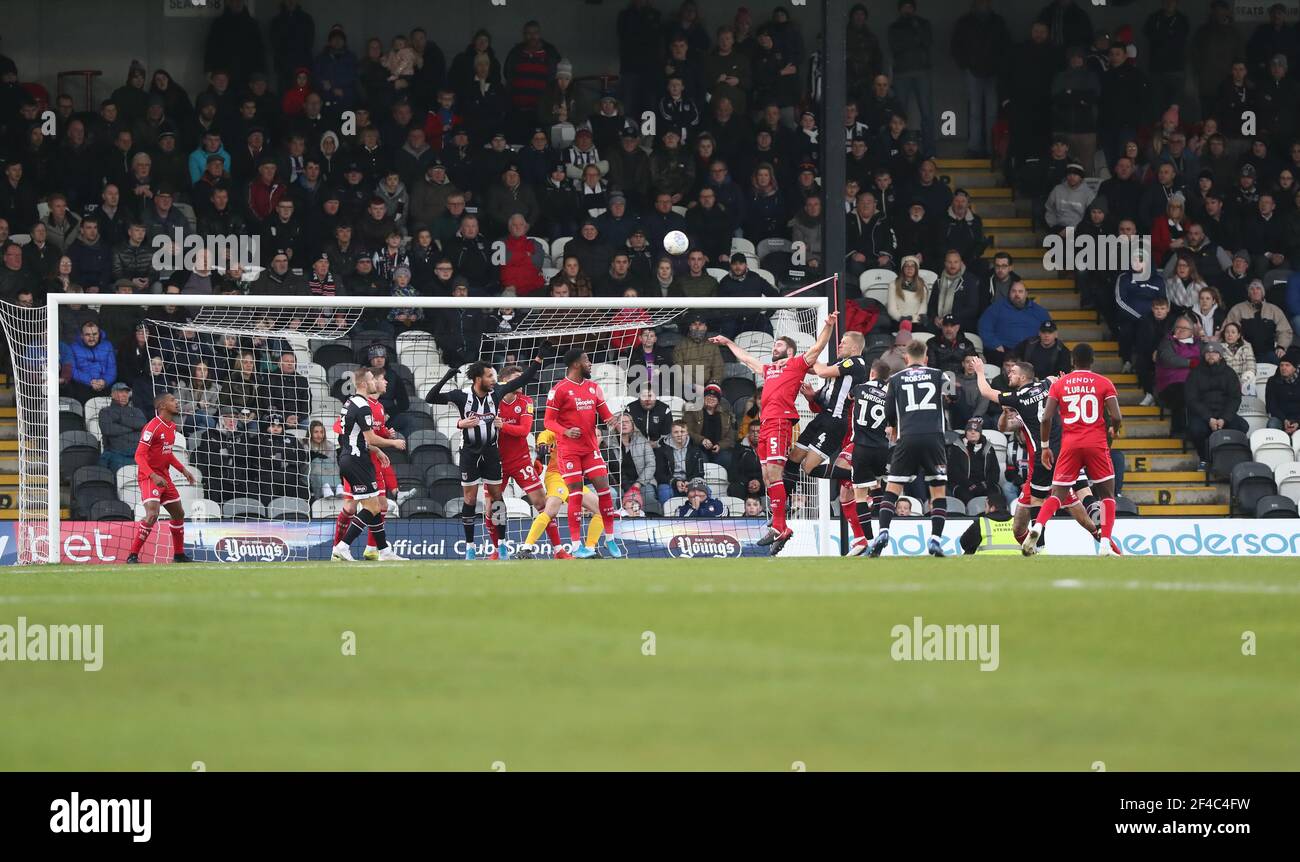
335,71
211,145
1133,297
1010,321
698,502
90,362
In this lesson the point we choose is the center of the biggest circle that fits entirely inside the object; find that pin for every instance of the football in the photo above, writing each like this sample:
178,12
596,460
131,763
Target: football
675,242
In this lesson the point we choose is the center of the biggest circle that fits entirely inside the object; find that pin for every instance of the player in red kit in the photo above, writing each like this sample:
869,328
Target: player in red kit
572,410
782,379
1088,404
515,414
154,458
385,475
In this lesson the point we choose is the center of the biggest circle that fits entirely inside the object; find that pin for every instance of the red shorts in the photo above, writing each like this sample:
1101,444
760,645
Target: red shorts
385,479
524,475
1027,495
1094,460
150,491
775,437
575,464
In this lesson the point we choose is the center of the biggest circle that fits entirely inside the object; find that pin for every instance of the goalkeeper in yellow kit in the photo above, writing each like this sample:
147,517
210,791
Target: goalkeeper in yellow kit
557,495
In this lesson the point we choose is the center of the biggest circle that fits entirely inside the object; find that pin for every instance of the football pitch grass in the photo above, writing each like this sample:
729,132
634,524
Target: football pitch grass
756,665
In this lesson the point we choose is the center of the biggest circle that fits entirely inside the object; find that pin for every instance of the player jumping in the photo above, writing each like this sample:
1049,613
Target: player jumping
782,379
914,415
154,459
870,457
480,456
517,413
1088,404
841,471
572,410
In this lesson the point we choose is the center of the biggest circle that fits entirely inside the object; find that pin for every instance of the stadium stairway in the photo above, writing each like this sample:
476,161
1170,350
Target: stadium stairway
1162,475
9,456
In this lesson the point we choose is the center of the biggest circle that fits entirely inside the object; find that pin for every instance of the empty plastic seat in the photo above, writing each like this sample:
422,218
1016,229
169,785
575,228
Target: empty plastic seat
443,491
1125,508
1251,482
421,507
1271,446
1276,506
288,509
1225,450
203,510
332,353
92,475
85,498
1287,479
243,509
977,505
111,510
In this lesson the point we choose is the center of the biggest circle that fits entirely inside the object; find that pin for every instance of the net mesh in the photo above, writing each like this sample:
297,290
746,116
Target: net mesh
260,389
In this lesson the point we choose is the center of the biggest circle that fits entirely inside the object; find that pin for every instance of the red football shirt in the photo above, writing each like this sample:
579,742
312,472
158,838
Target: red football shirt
576,405
780,386
1081,404
516,422
154,452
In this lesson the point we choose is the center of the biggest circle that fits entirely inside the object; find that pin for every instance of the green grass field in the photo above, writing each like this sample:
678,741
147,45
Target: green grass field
1133,662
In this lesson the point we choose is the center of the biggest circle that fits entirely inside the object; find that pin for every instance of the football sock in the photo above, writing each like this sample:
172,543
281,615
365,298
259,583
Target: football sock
1107,517
178,536
886,514
141,535
467,521
1050,507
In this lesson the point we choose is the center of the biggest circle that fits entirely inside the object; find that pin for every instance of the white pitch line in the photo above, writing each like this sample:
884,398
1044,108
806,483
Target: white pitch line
792,588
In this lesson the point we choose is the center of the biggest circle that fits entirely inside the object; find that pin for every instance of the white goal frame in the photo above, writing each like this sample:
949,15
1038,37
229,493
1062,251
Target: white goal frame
819,304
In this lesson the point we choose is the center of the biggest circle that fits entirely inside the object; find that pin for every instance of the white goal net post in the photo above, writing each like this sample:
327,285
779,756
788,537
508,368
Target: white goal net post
76,504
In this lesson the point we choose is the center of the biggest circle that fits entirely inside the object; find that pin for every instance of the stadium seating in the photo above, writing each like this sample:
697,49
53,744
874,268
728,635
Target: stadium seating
1254,412
327,508
111,510
1226,449
203,510
288,509
1287,478
1251,482
1271,447
421,507
977,505
876,283
243,509
1125,508
77,449
1276,506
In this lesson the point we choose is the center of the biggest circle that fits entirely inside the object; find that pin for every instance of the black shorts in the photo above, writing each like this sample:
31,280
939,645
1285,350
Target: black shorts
359,471
824,435
480,467
1040,478
922,455
869,464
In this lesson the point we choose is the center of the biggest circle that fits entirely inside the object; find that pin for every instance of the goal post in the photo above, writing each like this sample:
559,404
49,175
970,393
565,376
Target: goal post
605,327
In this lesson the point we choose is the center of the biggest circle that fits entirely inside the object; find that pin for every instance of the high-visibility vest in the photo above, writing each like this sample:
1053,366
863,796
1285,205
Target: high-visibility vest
997,537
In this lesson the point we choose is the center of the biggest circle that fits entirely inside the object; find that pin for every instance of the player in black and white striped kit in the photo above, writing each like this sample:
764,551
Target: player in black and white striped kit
357,436
914,413
480,459
870,446
819,444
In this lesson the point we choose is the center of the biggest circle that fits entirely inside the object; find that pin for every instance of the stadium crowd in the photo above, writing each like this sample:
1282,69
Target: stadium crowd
402,167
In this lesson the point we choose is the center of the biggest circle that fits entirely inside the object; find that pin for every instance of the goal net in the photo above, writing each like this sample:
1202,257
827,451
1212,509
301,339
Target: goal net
260,387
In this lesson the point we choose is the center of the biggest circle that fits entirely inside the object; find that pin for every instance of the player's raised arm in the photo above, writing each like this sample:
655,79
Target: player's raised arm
986,389
1045,432
528,375
823,338
741,355
436,395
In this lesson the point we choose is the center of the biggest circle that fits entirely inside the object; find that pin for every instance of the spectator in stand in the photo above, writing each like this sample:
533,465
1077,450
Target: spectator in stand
713,427
909,297
1184,285
871,241
1208,314
1076,90
1213,396
648,359
92,258
910,40
336,71
458,332
678,460
120,423
1176,356
1239,356
972,464
980,41
636,458
1262,323
1123,191
746,472
243,390
949,349
287,391
1010,321
698,502
1047,353
1166,31
223,455
199,400
1133,298
954,294
652,418
698,359
529,68
741,283
91,363
1282,394
1068,203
